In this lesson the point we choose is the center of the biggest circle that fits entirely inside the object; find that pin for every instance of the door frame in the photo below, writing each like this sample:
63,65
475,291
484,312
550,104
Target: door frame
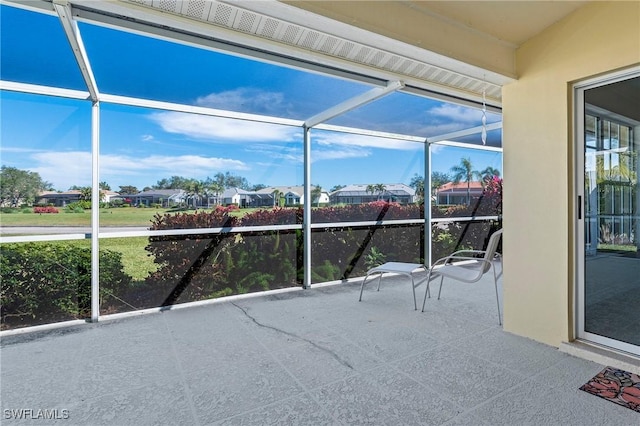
578,202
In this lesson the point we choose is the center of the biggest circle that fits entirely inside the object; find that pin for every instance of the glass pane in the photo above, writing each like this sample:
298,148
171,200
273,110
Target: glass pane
168,162
44,282
364,178
34,49
413,115
169,270
134,65
449,237
590,131
612,223
349,251
46,165
465,182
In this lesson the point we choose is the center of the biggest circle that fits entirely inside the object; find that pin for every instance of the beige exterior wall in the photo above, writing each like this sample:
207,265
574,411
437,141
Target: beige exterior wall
538,153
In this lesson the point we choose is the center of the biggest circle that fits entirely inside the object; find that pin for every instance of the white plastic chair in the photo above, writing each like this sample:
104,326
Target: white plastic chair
470,270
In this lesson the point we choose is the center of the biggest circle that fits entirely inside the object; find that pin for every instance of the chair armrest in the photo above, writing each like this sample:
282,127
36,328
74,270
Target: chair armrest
467,251
447,259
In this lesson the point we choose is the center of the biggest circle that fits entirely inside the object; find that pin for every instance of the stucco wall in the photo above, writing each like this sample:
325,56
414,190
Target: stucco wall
538,152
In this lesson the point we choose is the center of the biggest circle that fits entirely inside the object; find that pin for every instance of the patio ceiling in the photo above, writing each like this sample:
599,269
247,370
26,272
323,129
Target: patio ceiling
452,48
457,49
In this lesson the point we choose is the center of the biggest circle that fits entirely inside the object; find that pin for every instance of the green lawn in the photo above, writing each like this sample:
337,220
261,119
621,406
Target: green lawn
108,217
135,259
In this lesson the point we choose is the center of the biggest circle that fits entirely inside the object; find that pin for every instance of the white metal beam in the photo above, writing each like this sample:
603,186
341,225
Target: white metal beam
465,132
70,27
355,102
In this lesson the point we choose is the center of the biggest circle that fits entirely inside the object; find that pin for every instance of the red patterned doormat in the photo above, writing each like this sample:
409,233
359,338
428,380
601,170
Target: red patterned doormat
617,386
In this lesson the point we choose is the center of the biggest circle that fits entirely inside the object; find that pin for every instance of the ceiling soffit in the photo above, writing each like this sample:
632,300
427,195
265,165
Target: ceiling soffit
287,29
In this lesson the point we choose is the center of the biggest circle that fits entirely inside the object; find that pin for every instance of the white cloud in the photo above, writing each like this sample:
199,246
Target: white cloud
320,152
456,113
290,154
340,153
147,138
65,169
246,99
353,140
18,149
224,129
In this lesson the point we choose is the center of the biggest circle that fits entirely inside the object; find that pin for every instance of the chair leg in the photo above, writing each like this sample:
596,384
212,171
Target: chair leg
380,279
495,283
413,287
362,287
440,291
426,293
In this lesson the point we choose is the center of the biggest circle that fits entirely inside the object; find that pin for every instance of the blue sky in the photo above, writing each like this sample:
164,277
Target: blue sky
140,146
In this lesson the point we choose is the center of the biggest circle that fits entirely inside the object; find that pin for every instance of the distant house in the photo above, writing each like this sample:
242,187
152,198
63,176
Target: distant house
58,199
64,198
164,197
456,193
294,195
358,194
109,195
243,198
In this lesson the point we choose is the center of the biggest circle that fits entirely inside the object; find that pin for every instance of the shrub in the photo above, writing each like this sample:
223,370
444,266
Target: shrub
79,206
189,265
46,282
199,266
46,209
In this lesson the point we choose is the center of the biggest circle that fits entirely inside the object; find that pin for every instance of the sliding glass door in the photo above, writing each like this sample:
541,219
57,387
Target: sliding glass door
608,136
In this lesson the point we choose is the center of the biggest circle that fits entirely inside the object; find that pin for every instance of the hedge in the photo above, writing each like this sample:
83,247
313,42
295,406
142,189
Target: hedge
50,282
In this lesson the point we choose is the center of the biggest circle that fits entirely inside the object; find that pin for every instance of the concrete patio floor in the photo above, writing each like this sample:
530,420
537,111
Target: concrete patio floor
315,357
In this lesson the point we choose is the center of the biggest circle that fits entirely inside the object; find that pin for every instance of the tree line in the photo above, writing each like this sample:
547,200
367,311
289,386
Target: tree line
23,186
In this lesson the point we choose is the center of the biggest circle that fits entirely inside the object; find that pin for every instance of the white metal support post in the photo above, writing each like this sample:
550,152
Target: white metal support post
306,218
427,204
95,211
70,27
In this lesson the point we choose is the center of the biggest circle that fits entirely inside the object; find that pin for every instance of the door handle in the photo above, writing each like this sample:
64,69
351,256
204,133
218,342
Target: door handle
579,207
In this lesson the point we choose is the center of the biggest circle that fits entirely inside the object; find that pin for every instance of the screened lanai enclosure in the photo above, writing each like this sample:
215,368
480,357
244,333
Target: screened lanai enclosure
149,163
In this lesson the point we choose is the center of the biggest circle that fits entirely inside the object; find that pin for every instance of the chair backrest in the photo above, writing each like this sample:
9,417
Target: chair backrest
490,253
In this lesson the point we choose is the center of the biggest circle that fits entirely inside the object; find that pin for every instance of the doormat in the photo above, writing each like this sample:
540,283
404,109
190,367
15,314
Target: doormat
617,386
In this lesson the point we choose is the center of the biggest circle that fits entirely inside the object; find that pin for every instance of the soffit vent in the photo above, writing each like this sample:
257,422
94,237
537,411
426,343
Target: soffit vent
249,22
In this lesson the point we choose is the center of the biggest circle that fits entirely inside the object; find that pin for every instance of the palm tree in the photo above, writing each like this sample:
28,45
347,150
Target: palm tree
488,174
85,193
378,188
316,192
464,172
276,197
417,183
194,190
212,187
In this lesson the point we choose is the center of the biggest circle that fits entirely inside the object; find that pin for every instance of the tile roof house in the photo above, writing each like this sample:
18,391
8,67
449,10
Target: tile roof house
456,193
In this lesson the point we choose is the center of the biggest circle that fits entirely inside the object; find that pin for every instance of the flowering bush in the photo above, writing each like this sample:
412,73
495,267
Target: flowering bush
493,192
45,209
